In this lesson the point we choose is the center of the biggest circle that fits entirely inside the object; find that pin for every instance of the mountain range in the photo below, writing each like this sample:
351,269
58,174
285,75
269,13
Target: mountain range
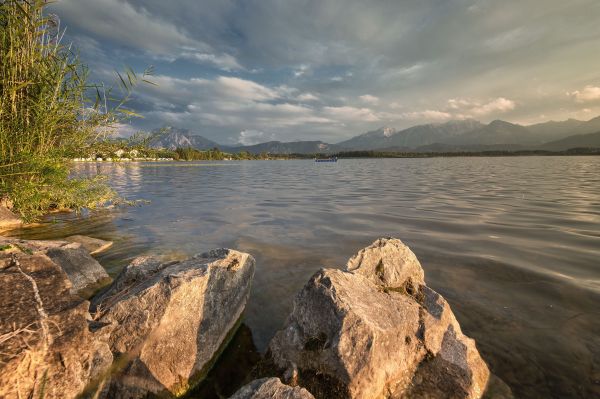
452,136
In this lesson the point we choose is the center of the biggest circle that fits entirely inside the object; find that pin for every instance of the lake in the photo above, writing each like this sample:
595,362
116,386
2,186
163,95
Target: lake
513,243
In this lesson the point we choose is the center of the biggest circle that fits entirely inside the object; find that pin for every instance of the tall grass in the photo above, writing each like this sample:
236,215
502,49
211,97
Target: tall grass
47,112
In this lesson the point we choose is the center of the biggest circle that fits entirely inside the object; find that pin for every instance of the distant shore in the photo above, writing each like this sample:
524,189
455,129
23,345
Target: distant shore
393,154
370,154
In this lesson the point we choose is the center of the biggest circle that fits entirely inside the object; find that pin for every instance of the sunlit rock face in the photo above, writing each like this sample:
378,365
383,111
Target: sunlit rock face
269,388
167,322
47,348
375,330
85,274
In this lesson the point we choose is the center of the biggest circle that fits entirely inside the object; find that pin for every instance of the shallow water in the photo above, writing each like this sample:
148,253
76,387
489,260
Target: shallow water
512,243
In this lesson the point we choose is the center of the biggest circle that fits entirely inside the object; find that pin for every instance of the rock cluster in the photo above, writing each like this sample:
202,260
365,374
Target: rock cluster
155,331
375,330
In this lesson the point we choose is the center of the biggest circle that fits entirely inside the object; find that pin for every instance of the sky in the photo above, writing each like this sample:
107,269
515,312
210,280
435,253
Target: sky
249,71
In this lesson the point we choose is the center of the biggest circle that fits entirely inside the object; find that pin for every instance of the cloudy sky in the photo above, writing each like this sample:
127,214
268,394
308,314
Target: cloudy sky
254,70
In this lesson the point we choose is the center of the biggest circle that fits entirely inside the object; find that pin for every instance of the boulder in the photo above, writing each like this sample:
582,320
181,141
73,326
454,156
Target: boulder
8,219
84,272
388,262
47,348
92,245
375,330
269,388
169,321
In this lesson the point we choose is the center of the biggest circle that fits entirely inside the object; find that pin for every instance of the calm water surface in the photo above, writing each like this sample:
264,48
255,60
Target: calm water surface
512,243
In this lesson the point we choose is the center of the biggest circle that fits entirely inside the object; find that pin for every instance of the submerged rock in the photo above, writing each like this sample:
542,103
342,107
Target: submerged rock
271,388
375,330
92,245
169,321
47,349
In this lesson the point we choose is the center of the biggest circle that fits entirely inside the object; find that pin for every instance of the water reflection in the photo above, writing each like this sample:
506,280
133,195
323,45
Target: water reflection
512,243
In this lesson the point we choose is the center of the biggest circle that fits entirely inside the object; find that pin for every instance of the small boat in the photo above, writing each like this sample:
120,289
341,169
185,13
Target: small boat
332,159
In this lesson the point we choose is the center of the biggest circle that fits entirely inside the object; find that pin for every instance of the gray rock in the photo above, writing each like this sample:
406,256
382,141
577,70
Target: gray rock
388,262
269,388
169,321
92,245
84,272
47,349
352,336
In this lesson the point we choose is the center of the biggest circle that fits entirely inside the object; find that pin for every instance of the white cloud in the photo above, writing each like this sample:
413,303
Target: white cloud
352,113
250,137
465,108
588,93
225,62
459,108
121,22
301,71
307,97
500,104
369,99
458,103
427,115
247,89
232,103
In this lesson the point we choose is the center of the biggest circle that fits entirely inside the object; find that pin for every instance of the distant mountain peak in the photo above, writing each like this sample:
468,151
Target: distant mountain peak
500,122
388,131
170,137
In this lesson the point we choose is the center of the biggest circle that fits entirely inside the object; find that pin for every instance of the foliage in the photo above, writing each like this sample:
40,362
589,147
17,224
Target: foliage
192,154
46,113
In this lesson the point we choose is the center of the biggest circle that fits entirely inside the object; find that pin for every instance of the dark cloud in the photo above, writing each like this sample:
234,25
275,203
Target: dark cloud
247,69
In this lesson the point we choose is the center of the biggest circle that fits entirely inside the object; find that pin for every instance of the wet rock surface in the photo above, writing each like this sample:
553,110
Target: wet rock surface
169,321
92,245
375,330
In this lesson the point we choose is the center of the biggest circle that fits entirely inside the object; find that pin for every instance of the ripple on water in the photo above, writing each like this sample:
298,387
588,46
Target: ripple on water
512,243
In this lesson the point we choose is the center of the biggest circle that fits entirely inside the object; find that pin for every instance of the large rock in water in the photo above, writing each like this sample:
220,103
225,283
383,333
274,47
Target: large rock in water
376,331
169,321
270,388
46,347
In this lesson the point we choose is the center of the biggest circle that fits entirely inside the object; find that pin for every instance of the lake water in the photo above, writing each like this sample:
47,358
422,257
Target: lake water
512,243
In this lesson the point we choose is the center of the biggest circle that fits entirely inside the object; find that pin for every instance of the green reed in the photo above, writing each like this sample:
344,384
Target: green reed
48,111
